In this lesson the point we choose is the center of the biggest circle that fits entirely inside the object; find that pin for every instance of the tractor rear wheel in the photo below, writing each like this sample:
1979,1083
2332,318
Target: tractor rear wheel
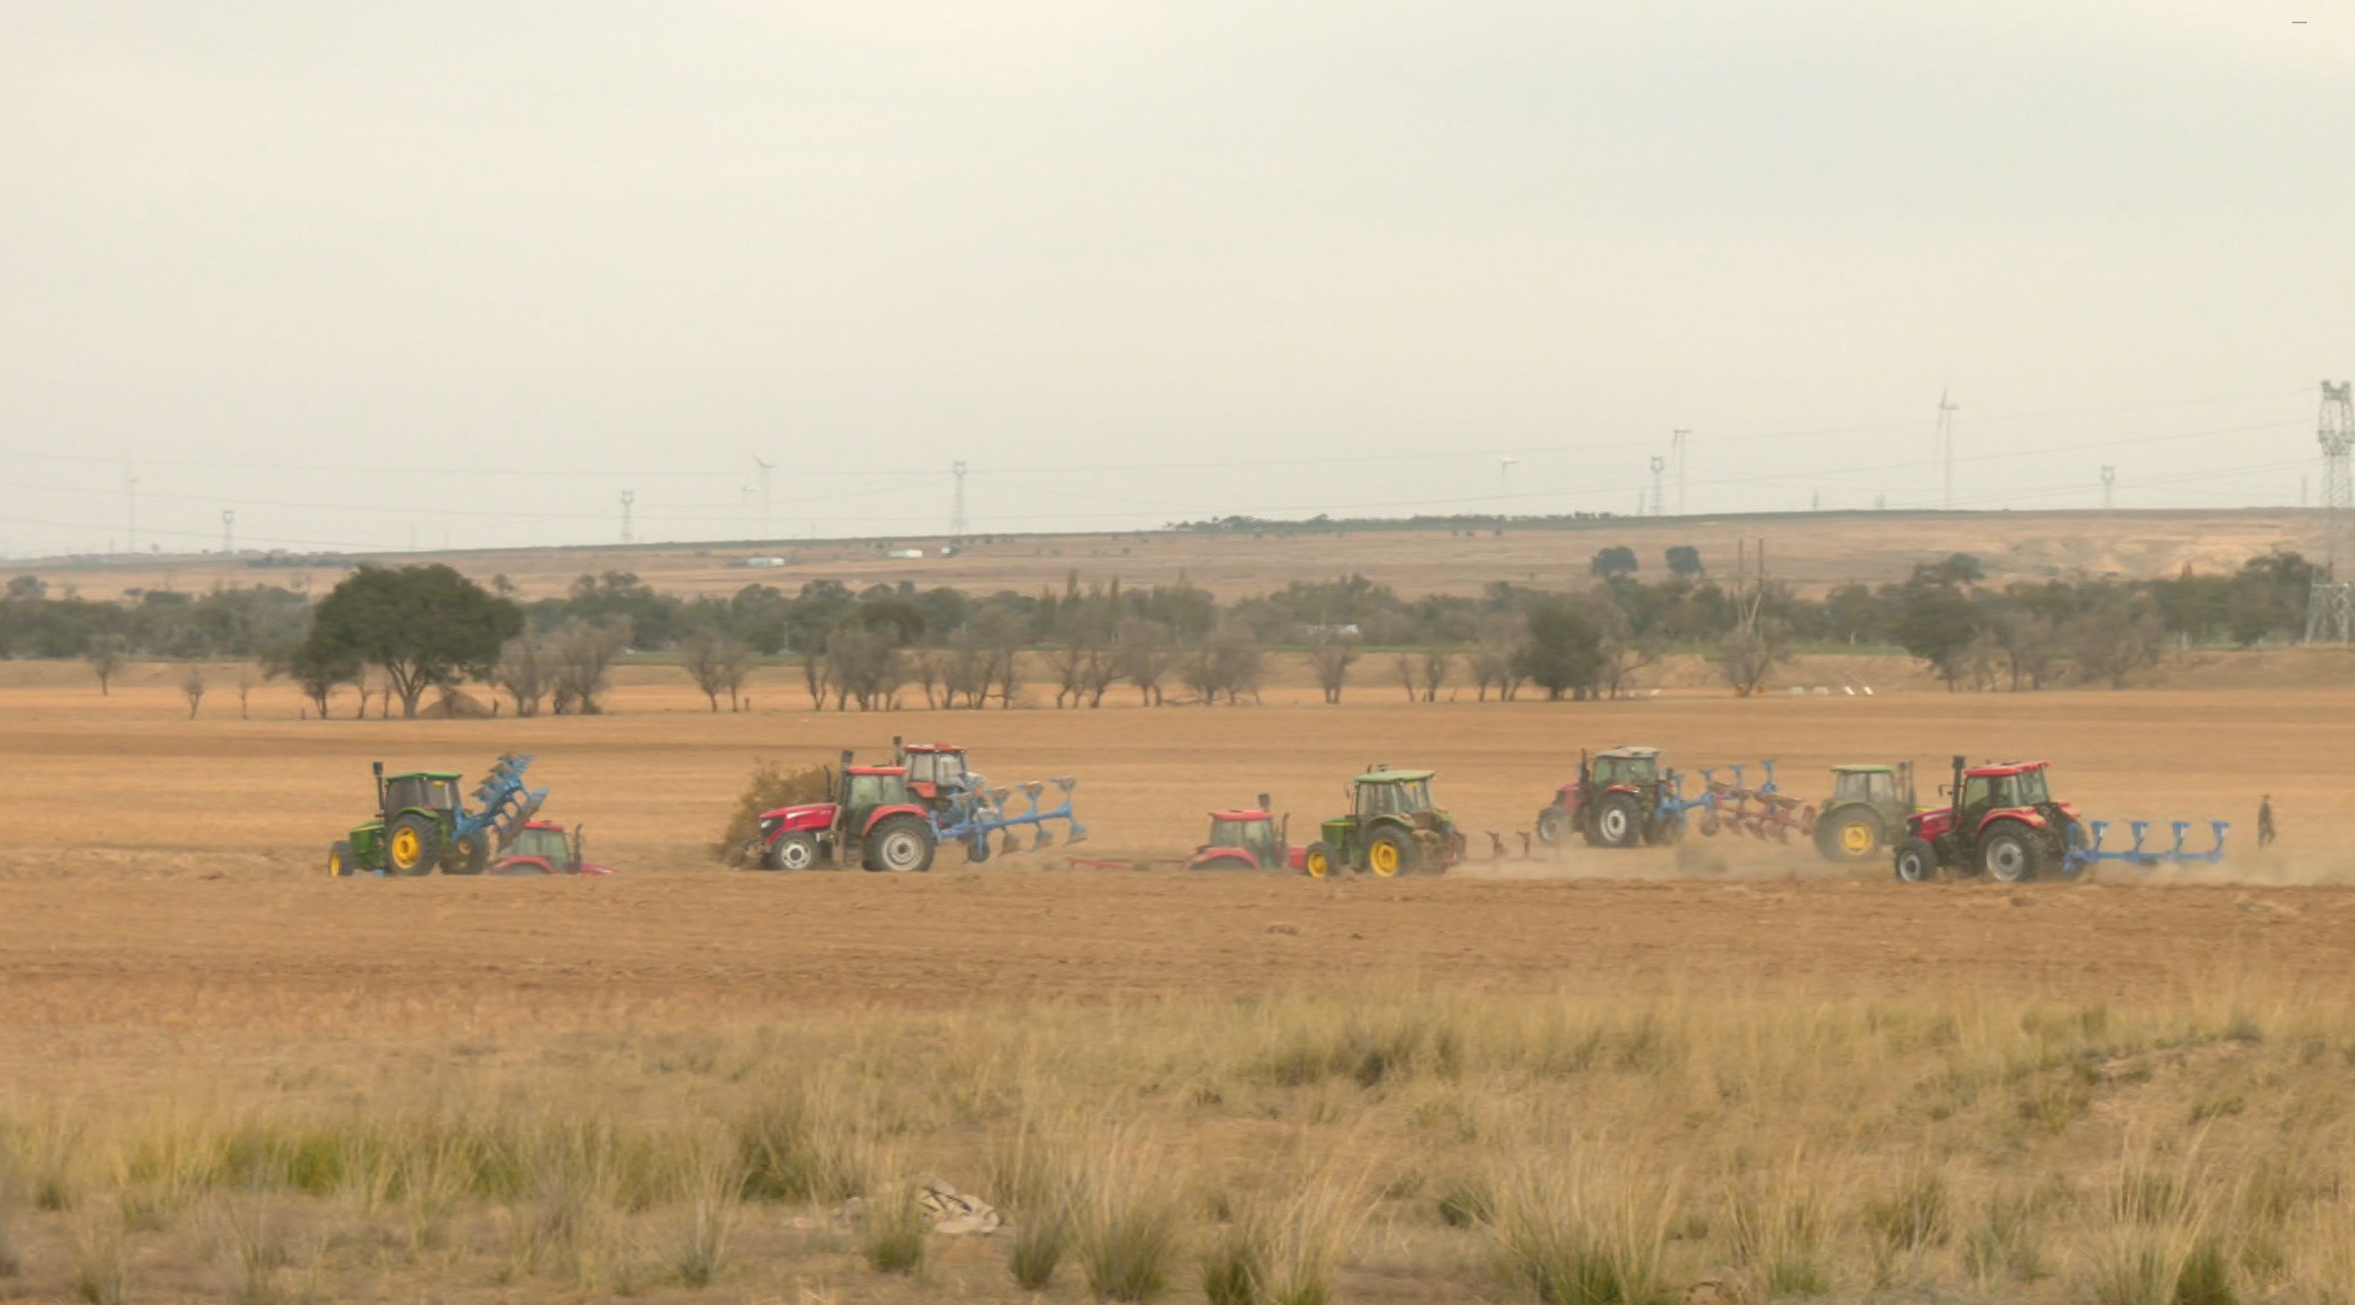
2010,853
412,843
1391,852
900,844
1917,862
1849,835
1619,822
793,850
339,859
467,854
1321,861
1553,825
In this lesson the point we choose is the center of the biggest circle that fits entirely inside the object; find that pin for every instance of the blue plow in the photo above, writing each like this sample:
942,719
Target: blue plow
2147,858
502,805
981,811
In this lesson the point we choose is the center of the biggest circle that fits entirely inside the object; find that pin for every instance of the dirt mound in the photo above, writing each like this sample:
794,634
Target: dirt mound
770,787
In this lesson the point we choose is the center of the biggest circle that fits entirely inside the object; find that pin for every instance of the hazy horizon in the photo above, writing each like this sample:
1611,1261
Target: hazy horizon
465,274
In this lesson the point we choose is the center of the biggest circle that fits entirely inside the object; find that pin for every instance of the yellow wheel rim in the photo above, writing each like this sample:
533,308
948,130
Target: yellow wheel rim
1382,859
406,848
1316,865
335,865
1856,838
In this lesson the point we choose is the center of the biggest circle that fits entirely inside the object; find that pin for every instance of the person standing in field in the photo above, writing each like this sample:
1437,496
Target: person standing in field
2265,821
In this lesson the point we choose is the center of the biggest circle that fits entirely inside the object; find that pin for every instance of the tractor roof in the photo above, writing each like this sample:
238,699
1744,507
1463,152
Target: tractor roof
1864,770
549,825
1624,753
450,775
932,747
1241,817
1394,776
1999,769
876,770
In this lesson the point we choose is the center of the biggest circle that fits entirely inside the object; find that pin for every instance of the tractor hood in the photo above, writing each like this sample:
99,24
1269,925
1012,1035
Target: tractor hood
811,815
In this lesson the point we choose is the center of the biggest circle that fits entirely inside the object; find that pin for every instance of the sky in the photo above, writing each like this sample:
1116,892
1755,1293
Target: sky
462,275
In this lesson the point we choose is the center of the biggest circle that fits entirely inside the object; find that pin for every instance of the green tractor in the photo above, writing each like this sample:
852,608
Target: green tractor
421,824
1867,809
1392,829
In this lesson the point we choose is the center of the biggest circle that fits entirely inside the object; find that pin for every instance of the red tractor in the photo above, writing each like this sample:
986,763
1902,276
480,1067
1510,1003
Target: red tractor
2000,821
1248,840
874,819
1621,798
541,848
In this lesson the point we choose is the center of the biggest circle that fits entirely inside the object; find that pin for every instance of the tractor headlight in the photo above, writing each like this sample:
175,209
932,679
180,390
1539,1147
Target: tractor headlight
769,825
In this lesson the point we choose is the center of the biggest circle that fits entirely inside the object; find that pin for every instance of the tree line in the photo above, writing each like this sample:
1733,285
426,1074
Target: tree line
401,633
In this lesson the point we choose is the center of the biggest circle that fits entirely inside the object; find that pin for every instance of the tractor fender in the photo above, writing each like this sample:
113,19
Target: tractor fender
881,814
2028,816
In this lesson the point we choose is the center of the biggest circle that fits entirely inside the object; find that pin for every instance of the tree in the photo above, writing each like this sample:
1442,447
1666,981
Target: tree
1684,561
1564,650
244,689
1436,664
2031,644
2116,639
583,656
315,670
1624,652
1614,562
525,670
718,664
1937,625
193,686
106,654
1330,654
1229,661
1747,655
1142,652
422,625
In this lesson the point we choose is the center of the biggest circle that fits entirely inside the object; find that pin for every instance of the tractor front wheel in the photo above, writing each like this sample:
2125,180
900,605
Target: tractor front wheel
794,850
339,860
1392,852
412,843
1848,835
2011,853
1917,862
1619,821
1553,826
900,845
467,854
1321,861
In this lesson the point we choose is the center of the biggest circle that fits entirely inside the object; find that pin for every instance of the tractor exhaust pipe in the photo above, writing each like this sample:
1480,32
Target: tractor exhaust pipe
378,767
1954,796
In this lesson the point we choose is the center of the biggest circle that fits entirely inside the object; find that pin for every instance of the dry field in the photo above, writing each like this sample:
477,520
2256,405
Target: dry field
1605,1077
1812,551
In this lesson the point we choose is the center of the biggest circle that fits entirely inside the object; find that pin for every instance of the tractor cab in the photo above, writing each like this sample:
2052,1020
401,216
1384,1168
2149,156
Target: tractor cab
935,771
865,788
421,790
1868,807
1404,793
1999,820
543,842
1626,768
1392,828
542,848
1244,839
1874,786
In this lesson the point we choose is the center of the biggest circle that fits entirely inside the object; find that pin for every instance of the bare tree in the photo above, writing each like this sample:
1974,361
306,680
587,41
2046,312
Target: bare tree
584,656
244,688
928,667
1493,657
193,686
717,664
1746,656
967,670
1433,668
1229,661
1005,635
2115,640
2032,645
864,666
106,654
1330,655
813,677
1142,655
1404,663
1624,654
524,670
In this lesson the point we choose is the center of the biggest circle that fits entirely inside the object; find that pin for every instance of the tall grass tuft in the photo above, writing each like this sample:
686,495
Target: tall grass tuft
2004,1247
1905,1224
1030,1177
713,1204
2155,1231
800,1142
1235,1267
102,1269
896,1234
1781,1232
1575,1232
1127,1217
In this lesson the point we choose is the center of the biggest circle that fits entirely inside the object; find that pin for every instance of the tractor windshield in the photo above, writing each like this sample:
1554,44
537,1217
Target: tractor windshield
1257,837
1875,786
2031,789
404,792
546,844
877,790
945,768
1626,770
1394,798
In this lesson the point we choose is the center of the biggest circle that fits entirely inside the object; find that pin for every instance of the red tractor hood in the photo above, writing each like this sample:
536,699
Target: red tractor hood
813,815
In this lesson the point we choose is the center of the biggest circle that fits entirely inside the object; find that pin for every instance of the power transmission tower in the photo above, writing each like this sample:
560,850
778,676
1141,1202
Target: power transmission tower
228,530
1946,411
765,467
1658,465
957,505
2330,605
1676,446
2109,483
629,498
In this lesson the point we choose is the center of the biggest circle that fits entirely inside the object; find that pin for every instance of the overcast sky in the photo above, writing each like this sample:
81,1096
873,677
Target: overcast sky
463,273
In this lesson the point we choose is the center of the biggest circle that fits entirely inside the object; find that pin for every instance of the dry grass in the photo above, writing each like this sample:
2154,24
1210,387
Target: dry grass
1569,1149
